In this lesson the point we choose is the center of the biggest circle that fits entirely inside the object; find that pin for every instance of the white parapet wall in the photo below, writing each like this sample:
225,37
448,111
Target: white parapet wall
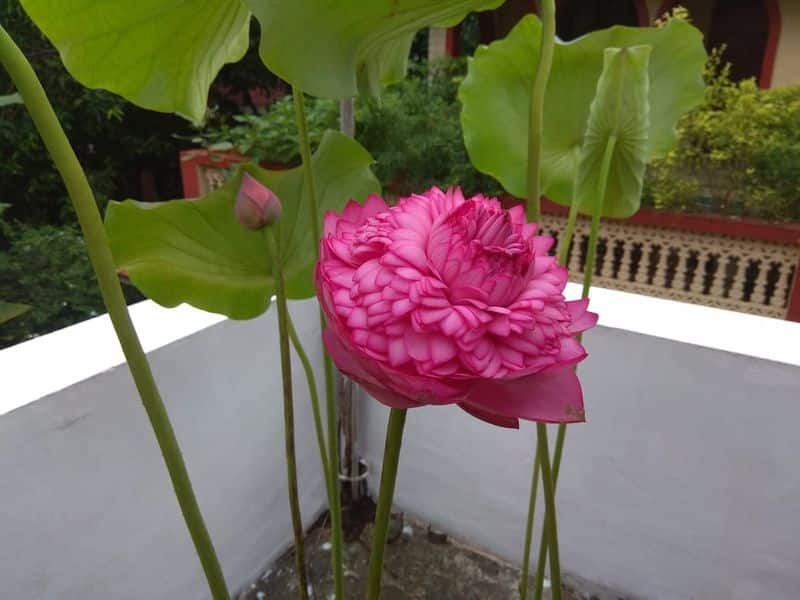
86,508
684,482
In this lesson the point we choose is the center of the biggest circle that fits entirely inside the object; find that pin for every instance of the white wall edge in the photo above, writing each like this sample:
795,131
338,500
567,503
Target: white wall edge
715,328
52,362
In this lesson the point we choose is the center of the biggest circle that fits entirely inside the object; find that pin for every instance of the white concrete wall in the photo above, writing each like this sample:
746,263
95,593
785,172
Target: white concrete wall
685,481
86,508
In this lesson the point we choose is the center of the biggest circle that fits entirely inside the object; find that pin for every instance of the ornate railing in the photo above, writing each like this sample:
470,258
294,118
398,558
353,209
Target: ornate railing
742,265
746,266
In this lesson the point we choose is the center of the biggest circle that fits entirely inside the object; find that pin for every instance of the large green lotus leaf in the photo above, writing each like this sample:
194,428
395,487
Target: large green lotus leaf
196,251
618,121
496,97
11,310
159,54
336,49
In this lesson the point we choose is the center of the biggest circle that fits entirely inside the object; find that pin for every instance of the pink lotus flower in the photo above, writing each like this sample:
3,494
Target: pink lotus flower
442,300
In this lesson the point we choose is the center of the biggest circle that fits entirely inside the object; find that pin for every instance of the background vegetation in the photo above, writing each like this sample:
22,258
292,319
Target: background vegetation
739,154
413,131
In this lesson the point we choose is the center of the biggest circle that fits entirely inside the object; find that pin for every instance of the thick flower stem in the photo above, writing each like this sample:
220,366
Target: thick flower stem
312,390
332,476
536,117
535,143
288,424
588,272
380,531
550,528
102,261
526,558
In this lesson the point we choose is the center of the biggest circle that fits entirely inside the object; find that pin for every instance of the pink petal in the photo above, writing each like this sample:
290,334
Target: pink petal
442,349
550,397
490,417
348,363
329,223
570,352
581,319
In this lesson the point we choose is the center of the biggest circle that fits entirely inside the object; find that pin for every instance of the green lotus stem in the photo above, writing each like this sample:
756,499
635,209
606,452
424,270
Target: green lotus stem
335,505
588,271
536,118
80,193
563,253
602,184
312,390
526,558
332,475
380,530
550,528
288,419
535,142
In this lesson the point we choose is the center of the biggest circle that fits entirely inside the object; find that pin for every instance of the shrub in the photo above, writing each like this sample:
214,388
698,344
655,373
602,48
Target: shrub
413,132
738,154
46,267
271,134
113,139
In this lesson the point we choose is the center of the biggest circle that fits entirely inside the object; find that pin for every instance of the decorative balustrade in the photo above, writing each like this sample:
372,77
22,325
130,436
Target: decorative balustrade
733,264
741,265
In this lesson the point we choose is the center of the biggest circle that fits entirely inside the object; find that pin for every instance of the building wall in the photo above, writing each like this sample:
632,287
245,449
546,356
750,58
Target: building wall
787,58
653,6
684,482
87,511
786,66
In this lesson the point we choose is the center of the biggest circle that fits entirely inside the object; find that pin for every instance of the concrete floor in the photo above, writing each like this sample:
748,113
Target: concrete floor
420,564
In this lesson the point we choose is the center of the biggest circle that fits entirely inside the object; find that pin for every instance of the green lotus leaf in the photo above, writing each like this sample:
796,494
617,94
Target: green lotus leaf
614,153
196,251
159,54
496,97
337,49
11,310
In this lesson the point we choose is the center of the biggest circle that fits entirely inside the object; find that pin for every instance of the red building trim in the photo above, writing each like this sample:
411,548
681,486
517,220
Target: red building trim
771,48
452,44
192,160
643,13
752,229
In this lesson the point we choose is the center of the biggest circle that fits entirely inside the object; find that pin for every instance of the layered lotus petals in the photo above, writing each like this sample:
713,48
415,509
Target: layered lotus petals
442,299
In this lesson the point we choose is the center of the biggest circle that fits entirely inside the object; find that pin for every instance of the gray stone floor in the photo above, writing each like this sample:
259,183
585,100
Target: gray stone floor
420,564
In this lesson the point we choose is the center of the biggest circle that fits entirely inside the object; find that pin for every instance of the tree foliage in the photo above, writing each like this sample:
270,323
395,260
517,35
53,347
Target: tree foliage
738,153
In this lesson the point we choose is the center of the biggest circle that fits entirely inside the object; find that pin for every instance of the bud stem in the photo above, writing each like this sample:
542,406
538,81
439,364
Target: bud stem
288,419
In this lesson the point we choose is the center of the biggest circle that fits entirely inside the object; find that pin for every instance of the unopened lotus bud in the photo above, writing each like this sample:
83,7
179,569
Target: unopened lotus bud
256,205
